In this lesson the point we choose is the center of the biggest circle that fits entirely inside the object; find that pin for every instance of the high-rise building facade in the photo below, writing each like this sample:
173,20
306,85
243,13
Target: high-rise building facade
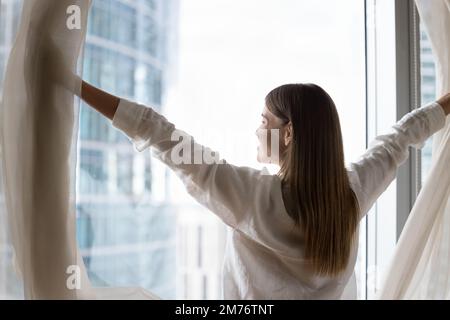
428,91
127,237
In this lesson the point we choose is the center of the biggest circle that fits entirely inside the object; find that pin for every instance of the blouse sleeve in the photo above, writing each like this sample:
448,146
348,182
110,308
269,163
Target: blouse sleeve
377,167
223,188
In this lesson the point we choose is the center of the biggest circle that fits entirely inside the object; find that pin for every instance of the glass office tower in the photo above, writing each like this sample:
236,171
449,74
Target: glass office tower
126,237
428,92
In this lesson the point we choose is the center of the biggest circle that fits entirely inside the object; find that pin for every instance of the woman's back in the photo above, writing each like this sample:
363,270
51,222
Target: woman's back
265,250
265,258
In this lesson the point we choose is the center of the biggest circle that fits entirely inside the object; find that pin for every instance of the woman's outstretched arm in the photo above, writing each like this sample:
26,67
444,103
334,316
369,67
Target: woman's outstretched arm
102,101
374,171
231,192
63,75
227,190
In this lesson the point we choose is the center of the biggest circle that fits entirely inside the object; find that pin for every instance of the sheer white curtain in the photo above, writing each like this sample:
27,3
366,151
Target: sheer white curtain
420,268
38,143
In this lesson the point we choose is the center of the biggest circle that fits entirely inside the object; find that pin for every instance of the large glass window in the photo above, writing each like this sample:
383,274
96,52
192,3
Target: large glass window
231,54
206,65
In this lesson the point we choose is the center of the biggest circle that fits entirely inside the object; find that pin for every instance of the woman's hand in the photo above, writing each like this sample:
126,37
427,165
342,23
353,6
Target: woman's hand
59,73
445,103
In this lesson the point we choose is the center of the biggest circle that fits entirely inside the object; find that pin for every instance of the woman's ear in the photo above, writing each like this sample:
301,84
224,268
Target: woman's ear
287,133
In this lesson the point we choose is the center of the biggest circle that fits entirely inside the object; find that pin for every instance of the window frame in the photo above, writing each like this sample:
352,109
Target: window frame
395,46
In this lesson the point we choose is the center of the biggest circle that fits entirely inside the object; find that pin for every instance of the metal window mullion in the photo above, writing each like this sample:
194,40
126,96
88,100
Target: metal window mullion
416,90
408,98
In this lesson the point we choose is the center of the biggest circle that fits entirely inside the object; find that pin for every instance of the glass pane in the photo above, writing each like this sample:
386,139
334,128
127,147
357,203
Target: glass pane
381,220
428,90
127,237
231,54
10,285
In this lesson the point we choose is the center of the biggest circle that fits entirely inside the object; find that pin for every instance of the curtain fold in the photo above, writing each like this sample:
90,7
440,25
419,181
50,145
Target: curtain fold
38,142
420,268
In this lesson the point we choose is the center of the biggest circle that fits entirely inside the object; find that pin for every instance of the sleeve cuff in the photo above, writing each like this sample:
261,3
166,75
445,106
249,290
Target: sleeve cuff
436,116
127,117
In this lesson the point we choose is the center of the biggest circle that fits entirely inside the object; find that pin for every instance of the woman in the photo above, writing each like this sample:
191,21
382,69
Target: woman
294,234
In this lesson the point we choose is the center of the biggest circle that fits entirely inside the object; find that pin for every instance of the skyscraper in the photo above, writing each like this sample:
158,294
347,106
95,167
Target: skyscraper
428,91
428,69
125,235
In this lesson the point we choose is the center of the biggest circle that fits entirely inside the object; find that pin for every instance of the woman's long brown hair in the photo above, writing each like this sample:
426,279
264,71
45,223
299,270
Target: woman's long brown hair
313,168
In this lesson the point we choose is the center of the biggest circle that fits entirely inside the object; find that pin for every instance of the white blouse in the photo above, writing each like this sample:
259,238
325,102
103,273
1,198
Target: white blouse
264,252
